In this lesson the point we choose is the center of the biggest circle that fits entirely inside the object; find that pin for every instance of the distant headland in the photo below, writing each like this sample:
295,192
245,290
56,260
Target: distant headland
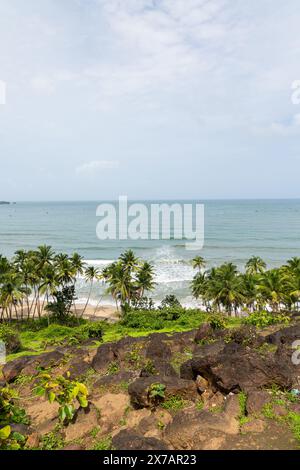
4,202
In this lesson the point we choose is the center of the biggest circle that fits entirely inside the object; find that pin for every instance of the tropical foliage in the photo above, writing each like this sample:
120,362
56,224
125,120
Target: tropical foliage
225,289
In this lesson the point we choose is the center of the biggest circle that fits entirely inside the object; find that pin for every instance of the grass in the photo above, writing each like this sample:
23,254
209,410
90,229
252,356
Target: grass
52,441
243,404
36,337
174,403
103,444
294,423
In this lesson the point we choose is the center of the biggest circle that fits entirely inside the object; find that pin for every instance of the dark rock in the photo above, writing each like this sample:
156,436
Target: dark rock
285,335
235,367
247,335
105,354
139,390
159,353
13,368
256,400
205,332
78,368
21,428
116,379
207,353
129,440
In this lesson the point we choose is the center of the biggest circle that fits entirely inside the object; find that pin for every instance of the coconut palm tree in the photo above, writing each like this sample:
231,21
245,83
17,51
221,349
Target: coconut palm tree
255,265
144,278
198,263
272,287
91,274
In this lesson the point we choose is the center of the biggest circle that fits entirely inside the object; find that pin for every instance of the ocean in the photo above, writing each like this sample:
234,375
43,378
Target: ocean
234,231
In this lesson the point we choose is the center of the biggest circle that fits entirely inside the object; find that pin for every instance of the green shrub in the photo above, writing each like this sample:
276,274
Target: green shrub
10,338
265,318
217,321
92,330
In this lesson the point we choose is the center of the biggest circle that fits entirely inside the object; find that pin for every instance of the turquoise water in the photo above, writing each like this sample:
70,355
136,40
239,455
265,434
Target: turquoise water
234,230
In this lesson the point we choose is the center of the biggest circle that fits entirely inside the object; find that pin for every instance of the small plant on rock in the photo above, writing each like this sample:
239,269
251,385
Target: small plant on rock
65,392
157,392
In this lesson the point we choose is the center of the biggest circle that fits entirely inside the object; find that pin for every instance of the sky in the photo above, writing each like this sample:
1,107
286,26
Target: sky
152,99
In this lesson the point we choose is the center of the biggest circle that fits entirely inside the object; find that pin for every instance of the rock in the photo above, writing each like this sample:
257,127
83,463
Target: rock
78,368
112,408
295,407
135,417
205,332
116,379
33,441
256,425
207,353
235,367
129,440
159,353
139,390
105,354
14,368
74,447
215,401
193,429
285,335
43,415
279,410
85,420
247,335
201,384
256,400
21,428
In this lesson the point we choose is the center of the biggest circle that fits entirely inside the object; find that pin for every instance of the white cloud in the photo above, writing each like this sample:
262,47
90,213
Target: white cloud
96,165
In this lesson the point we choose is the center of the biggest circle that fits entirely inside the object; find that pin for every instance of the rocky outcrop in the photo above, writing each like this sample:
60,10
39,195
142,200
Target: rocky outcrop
140,390
125,440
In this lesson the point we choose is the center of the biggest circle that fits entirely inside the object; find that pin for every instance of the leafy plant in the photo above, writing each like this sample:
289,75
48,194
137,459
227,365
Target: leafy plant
11,440
264,318
52,441
65,392
157,392
174,403
10,338
217,321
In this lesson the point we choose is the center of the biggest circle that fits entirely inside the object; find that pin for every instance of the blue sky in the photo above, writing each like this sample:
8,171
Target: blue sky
149,98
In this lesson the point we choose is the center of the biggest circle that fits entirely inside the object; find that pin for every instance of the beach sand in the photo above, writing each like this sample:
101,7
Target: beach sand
102,312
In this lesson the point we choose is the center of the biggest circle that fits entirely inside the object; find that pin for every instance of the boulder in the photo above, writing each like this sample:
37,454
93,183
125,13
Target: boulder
111,408
105,354
236,367
159,353
284,336
139,390
14,368
256,400
129,440
193,429
204,332
255,426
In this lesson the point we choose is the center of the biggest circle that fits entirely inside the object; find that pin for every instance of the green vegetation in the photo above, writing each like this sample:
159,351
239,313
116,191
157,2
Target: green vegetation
103,444
52,441
174,403
10,338
157,392
10,413
63,391
225,289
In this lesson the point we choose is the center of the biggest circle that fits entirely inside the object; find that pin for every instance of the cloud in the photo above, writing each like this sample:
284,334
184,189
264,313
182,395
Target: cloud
96,165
